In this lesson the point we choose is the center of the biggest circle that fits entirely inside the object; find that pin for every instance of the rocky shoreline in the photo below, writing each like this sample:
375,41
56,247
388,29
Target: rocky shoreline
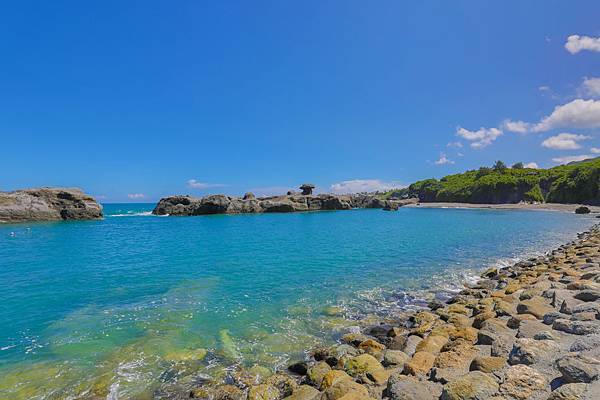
528,331
291,202
48,204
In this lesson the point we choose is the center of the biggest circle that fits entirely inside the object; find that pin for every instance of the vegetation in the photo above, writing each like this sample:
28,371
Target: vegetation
571,183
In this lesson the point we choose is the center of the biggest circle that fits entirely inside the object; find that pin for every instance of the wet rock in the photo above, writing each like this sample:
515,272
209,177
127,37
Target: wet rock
578,368
263,392
332,377
522,382
362,364
487,364
284,384
372,347
221,392
402,387
304,392
299,368
475,385
530,351
317,372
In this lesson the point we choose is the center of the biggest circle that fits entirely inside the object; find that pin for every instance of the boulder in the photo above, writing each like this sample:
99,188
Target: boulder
578,368
522,382
570,391
420,364
304,392
530,351
48,204
402,387
487,364
535,306
475,385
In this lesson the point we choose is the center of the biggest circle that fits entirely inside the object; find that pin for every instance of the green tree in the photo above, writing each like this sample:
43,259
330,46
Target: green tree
518,165
499,166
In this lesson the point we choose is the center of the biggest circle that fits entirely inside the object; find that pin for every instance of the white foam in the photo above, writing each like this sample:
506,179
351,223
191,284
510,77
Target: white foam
134,214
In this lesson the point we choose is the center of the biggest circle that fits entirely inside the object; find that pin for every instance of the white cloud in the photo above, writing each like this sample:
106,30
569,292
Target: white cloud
590,87
363,185
480,138
516,126
576,114
544,88
568,159
531,165
136,195
564,141
457,145
194,184
595,150
576,43
443,160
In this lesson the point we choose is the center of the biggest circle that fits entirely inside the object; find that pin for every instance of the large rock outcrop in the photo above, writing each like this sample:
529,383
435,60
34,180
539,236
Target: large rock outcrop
47,204
221,204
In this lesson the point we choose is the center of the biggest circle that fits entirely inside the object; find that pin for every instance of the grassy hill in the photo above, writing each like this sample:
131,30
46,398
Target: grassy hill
572,183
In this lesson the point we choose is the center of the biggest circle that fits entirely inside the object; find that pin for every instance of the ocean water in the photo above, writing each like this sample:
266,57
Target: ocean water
133,304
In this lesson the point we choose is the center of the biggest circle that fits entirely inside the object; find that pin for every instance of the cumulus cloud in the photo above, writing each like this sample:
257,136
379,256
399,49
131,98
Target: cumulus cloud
480,138
595,150
576,114
443,160
531,165
568,159
457,145
135,196
564,141
576,43
516,126
194,184
590,87
363,185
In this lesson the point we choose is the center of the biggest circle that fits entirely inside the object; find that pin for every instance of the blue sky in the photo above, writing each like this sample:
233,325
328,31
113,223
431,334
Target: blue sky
135,100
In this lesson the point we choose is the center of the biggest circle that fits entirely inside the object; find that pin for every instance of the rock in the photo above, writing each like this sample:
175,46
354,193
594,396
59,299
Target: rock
432,344
48,204
372,347
263,392
332,377
535,306
362,364
550,317
528,329
395,358
402,387
346,387
576,327
582,210
522,382
515,321
307,189
475,386
299,368
284,383
487,364
420,364
585,343
410,346
317,372
458,358
492,330
304,392
578,368
571,391
482,317
221,392
588,295
249,196
530,351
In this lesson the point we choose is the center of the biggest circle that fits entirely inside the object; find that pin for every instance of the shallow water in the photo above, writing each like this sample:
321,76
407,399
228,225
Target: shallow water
121,307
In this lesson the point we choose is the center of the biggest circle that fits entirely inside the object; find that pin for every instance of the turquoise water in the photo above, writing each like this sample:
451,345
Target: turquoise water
122,307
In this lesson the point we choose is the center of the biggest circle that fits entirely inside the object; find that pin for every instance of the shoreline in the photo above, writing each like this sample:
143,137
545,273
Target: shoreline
517,206
530,330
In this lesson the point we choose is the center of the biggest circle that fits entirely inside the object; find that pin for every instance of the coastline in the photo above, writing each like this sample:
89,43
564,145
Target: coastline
517,206
530,330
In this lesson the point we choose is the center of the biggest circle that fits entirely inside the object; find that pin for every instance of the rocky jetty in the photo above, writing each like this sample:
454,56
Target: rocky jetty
292,202
529,331
47,204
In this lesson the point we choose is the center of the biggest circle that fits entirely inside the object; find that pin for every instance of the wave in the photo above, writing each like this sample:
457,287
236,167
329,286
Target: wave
133,214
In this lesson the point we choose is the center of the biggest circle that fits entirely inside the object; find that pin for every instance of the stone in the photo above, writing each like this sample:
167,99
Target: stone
420,364
300,368
395,358
432,344
588,295
570,391
576,327
346,387
307,189
284,383
379,376
492,330
528,329
515,321
522,382
578,368
530,351
585,343
552,316
459,320
221,392
372,347
410,346
304,392
475,385
361,364
582,210
263,392
317,372
459,309
402,387
535,306
487,364
482,317
332,377
459,358
48,204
